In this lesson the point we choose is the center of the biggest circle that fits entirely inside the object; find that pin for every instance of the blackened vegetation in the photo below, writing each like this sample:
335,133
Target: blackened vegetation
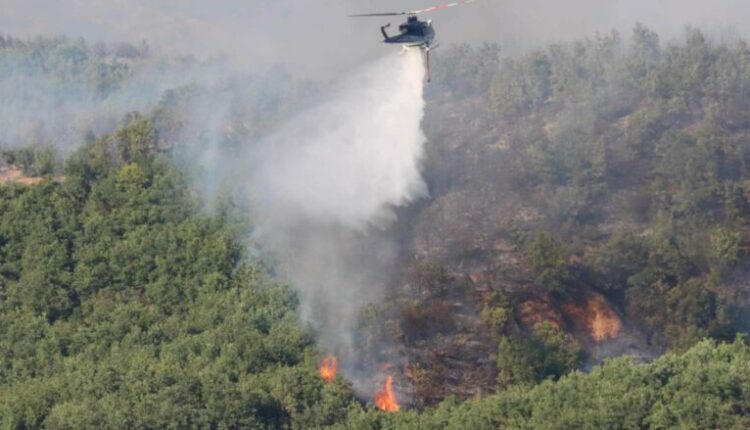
599,189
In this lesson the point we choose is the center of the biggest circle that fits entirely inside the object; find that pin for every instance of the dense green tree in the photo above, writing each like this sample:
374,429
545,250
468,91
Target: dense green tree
123,307
547,353
706,387
549,260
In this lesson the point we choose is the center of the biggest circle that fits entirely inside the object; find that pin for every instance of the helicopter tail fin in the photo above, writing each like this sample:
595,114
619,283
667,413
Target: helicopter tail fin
382,30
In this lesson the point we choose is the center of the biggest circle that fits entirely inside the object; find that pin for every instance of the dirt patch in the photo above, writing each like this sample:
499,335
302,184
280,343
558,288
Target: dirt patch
13,174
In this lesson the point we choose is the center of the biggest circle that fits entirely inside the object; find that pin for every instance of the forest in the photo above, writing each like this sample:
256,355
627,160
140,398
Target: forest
587,200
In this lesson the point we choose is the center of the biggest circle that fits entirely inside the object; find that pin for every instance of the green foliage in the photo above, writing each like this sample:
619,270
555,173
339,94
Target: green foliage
467,69
39,162
623,256
122,307
524,86
429,277
549,259
72,65
708,386
726,248
496,312
547,353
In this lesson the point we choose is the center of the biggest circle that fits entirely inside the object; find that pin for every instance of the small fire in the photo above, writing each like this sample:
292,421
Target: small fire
596,317
603,322
328,368
385,400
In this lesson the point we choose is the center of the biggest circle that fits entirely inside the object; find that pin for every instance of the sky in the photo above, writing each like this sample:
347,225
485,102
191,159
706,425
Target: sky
318,38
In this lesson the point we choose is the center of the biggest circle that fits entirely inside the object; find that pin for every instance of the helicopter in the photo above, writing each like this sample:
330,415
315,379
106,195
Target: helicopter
413,33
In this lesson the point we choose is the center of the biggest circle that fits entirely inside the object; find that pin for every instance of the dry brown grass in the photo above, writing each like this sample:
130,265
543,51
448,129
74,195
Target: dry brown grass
13,174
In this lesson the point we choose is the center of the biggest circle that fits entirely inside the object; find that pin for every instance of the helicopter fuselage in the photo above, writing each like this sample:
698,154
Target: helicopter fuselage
412,33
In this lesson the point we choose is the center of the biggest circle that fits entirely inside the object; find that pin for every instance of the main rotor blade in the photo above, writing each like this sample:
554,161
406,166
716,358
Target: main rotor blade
440,7
380,14
414,12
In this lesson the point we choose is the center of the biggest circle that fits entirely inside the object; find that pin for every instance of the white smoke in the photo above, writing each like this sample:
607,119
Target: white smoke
325,185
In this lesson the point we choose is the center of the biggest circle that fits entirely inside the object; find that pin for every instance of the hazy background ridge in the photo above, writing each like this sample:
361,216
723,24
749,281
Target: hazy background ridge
318,38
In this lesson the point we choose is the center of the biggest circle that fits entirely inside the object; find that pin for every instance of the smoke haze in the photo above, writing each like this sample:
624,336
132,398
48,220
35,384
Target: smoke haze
318,38
57,100
314,39
325,184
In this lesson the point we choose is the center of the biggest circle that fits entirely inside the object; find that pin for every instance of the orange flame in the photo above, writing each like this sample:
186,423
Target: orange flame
385,400
328,368
596,317
603,322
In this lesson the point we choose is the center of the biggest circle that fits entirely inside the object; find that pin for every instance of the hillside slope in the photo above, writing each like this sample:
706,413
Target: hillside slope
591,197
587,200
